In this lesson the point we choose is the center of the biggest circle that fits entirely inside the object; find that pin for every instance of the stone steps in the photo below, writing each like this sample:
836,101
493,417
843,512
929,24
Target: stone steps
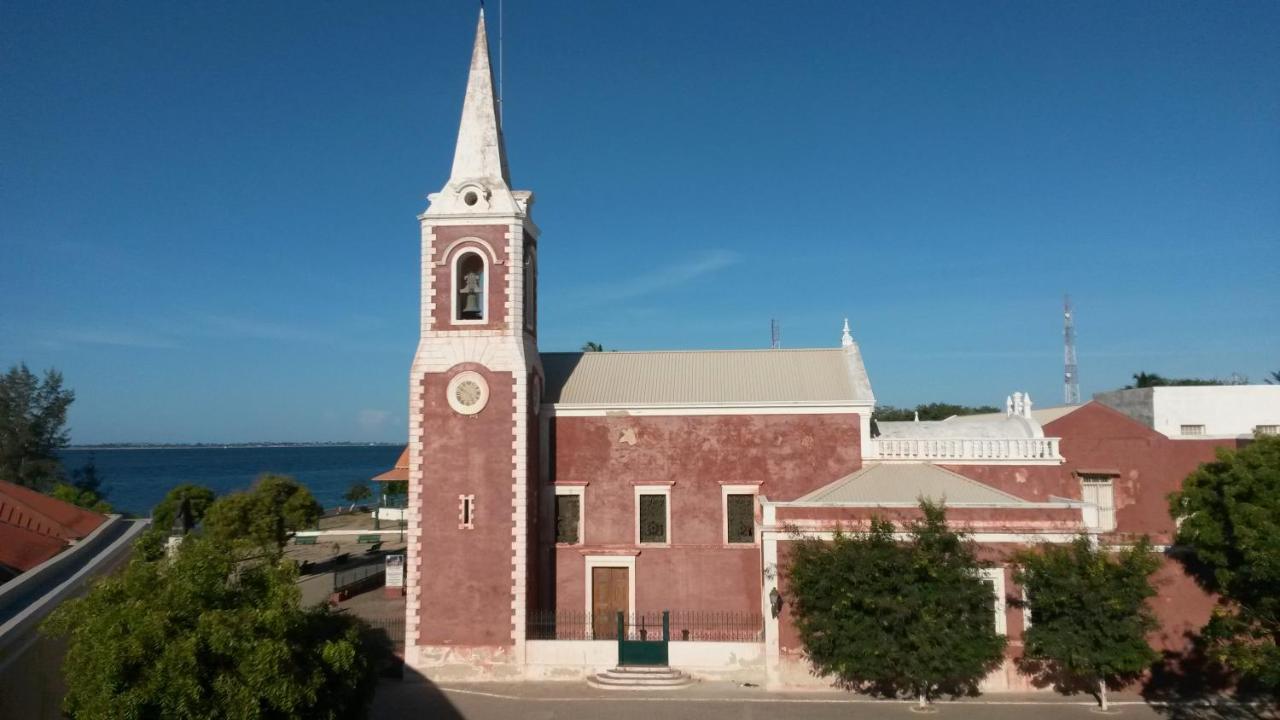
640,678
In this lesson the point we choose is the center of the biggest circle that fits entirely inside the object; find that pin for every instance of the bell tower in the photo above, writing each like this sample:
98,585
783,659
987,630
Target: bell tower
474,392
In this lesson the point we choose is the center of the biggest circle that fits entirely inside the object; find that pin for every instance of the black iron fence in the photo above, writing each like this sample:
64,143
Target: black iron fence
391,627
686,625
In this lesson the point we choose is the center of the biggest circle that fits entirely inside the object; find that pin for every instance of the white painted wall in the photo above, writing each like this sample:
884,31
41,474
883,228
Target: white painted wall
1224,410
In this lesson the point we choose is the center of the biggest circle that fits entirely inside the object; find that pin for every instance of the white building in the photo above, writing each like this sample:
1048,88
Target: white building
1201,411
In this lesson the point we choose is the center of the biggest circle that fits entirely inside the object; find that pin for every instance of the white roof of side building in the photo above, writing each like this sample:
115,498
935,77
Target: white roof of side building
708,377
984,425
897,484
964,426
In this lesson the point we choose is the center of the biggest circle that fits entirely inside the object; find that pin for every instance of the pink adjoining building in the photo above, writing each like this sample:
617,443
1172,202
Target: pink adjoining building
549,492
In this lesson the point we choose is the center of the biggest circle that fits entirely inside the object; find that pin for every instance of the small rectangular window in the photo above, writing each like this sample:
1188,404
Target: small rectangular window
1192,429
466,512
1267,429
740,518
568,517
653,518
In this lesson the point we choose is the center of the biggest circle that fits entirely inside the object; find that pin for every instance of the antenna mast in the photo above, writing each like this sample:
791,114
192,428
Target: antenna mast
775,334
501,47
1070,372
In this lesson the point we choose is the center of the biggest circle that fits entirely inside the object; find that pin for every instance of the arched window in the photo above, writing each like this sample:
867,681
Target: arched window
469,287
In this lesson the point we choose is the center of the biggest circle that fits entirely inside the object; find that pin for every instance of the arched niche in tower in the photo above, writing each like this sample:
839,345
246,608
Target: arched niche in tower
470,287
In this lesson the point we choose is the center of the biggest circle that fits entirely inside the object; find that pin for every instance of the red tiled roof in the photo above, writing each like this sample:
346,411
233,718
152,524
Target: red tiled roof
34,527
397,473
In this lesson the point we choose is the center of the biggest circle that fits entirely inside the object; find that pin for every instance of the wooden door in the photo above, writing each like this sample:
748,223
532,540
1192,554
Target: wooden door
609,595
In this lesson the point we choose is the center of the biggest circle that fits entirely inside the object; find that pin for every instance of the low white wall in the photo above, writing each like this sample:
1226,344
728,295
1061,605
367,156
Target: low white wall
736,661
568,659
390,514
576,659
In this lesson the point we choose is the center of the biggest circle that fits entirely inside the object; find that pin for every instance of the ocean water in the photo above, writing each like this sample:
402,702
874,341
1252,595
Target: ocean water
135,480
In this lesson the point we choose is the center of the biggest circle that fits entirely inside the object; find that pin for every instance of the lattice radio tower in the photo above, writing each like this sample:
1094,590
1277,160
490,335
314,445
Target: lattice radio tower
1070,372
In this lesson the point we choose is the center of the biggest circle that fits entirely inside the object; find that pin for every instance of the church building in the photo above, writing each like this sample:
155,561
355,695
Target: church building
559,500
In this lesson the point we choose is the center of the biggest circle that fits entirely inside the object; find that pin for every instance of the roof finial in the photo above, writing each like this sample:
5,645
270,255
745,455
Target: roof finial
845,338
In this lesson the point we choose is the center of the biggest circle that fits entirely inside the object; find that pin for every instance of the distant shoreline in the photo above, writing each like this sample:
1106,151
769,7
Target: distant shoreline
228,446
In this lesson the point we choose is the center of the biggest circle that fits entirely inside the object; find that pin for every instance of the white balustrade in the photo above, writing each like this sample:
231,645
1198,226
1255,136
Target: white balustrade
966,449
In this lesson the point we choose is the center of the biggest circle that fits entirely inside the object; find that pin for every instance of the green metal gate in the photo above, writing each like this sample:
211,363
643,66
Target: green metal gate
640,643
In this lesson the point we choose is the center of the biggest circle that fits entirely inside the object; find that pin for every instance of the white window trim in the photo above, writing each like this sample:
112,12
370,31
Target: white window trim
996,576
653,490
727,490
466,512
590,563
1196,430
453,286
581,492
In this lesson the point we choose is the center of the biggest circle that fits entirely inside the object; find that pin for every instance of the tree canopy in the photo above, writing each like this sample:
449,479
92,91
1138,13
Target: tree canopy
209,635
357,492
1229,523
930,411
33,419
914,618
592,346
1089,613
1146,380
198,500
265,515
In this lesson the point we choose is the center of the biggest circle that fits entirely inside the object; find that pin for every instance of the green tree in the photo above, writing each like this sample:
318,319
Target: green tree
84,490
265,515
33,419
208,636
914,618
1229,523
1090,614
592,347
1146,380
357,492
198,500
930,411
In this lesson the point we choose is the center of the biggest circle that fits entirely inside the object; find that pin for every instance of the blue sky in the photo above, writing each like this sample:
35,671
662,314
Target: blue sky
207,211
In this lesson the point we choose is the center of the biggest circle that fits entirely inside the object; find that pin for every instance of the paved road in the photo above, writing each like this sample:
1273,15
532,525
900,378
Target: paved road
711,701
18,601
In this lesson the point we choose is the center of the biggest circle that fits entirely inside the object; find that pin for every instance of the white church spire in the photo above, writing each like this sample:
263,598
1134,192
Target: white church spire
480,154
845,338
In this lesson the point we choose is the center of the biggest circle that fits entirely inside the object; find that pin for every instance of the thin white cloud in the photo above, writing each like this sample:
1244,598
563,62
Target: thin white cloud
669,276
115,338
371,421
228,326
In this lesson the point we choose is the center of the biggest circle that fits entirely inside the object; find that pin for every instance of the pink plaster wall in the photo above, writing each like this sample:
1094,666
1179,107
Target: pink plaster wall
465,575
788,455
442,274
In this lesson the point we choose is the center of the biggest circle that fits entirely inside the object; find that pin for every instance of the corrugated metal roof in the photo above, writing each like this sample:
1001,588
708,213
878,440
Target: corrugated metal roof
907,483
697,377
